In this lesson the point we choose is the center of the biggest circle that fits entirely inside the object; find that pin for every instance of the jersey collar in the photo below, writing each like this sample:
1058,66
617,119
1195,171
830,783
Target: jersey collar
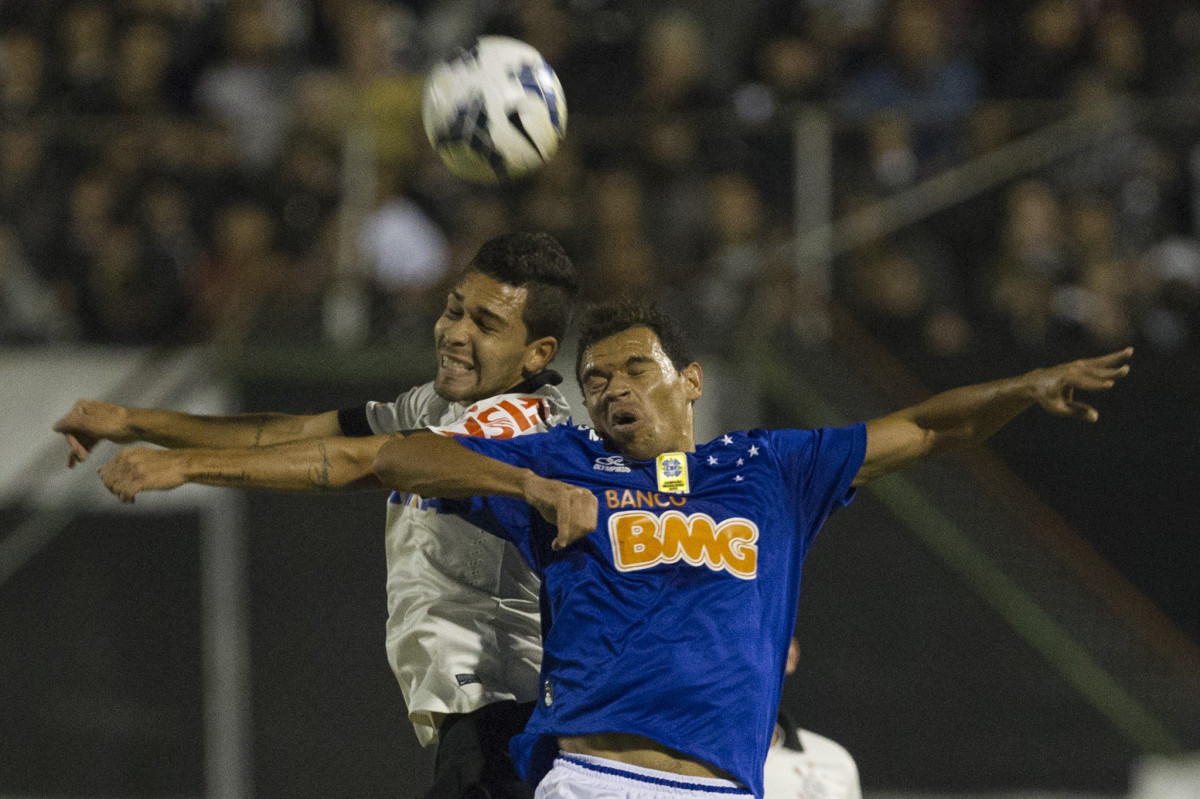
546,377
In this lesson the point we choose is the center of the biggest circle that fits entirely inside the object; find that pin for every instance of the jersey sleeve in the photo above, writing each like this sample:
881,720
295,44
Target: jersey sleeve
511,519
819,467
404,413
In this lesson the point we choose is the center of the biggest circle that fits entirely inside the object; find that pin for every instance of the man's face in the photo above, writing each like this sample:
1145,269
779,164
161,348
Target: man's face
480,340
635,396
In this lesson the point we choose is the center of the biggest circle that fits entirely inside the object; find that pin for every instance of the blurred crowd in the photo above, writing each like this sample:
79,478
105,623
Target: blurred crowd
179,171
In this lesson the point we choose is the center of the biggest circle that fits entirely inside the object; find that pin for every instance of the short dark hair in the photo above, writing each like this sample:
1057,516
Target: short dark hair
537,262
607,319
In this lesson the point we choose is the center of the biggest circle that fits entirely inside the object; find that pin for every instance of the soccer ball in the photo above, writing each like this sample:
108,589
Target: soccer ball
495,111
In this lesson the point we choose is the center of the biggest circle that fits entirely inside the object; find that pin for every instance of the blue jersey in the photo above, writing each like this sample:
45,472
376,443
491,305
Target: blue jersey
672,619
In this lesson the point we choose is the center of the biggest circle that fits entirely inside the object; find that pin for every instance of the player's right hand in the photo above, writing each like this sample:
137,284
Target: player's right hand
90,422
573,510
137,469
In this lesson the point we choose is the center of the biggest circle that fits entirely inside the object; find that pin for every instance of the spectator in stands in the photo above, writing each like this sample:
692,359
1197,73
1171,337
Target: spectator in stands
788,56
1093,302
555,200
891,152
247,87
88,217
1122,164
1169,316
376,58
211,171
322,103
408,256
31,185
918,79
620,253
478,217
143,58
127,299
673,93
1172,30
735,261
1033,260
30,310
1051,48
673,84
1120,53
905,289
243,274
170,241
83,66
23,77
304,191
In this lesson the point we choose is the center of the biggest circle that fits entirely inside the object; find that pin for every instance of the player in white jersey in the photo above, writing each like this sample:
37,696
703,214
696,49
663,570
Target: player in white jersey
452,583
463,632
803,765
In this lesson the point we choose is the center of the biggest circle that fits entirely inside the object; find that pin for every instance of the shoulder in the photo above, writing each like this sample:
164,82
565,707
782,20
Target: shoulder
574,443
756,443
420,397
418,407
788,439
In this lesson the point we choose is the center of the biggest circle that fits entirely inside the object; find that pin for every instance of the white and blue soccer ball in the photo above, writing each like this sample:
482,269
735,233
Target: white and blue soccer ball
495,111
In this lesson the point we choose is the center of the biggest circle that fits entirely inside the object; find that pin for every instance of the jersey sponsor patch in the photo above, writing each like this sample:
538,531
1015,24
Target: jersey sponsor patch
466,679
503,416
673,473
641,540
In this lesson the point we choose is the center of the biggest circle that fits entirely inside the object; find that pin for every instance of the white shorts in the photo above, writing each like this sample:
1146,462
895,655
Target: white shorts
586,777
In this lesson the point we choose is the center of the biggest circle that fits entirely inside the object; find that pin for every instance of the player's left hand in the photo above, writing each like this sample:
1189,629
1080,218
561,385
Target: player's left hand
1054,387
137,469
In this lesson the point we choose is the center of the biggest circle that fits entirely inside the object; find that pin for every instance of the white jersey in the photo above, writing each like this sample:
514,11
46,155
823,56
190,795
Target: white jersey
819,769
463,627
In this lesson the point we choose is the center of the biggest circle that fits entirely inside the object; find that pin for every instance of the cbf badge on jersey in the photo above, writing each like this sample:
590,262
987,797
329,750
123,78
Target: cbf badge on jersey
672,473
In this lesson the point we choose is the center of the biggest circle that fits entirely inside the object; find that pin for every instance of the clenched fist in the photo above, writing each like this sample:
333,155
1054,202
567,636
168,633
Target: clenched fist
138,469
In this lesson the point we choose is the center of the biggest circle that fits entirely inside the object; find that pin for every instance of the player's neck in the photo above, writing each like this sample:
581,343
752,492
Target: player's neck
648,451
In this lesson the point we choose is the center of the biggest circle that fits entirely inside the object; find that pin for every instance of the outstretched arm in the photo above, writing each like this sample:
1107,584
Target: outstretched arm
968,415
92,421
321,464
436,466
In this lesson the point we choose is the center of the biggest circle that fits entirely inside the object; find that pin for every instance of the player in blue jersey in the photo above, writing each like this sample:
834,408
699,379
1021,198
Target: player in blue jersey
671,570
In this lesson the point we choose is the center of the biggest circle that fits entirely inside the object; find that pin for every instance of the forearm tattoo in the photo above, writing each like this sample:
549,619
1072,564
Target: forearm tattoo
262,427
319,475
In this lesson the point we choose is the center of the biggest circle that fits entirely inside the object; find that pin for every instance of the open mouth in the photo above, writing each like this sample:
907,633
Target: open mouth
622,420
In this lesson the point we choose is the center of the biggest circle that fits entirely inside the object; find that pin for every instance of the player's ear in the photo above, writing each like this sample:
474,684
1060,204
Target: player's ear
693,375
539,353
